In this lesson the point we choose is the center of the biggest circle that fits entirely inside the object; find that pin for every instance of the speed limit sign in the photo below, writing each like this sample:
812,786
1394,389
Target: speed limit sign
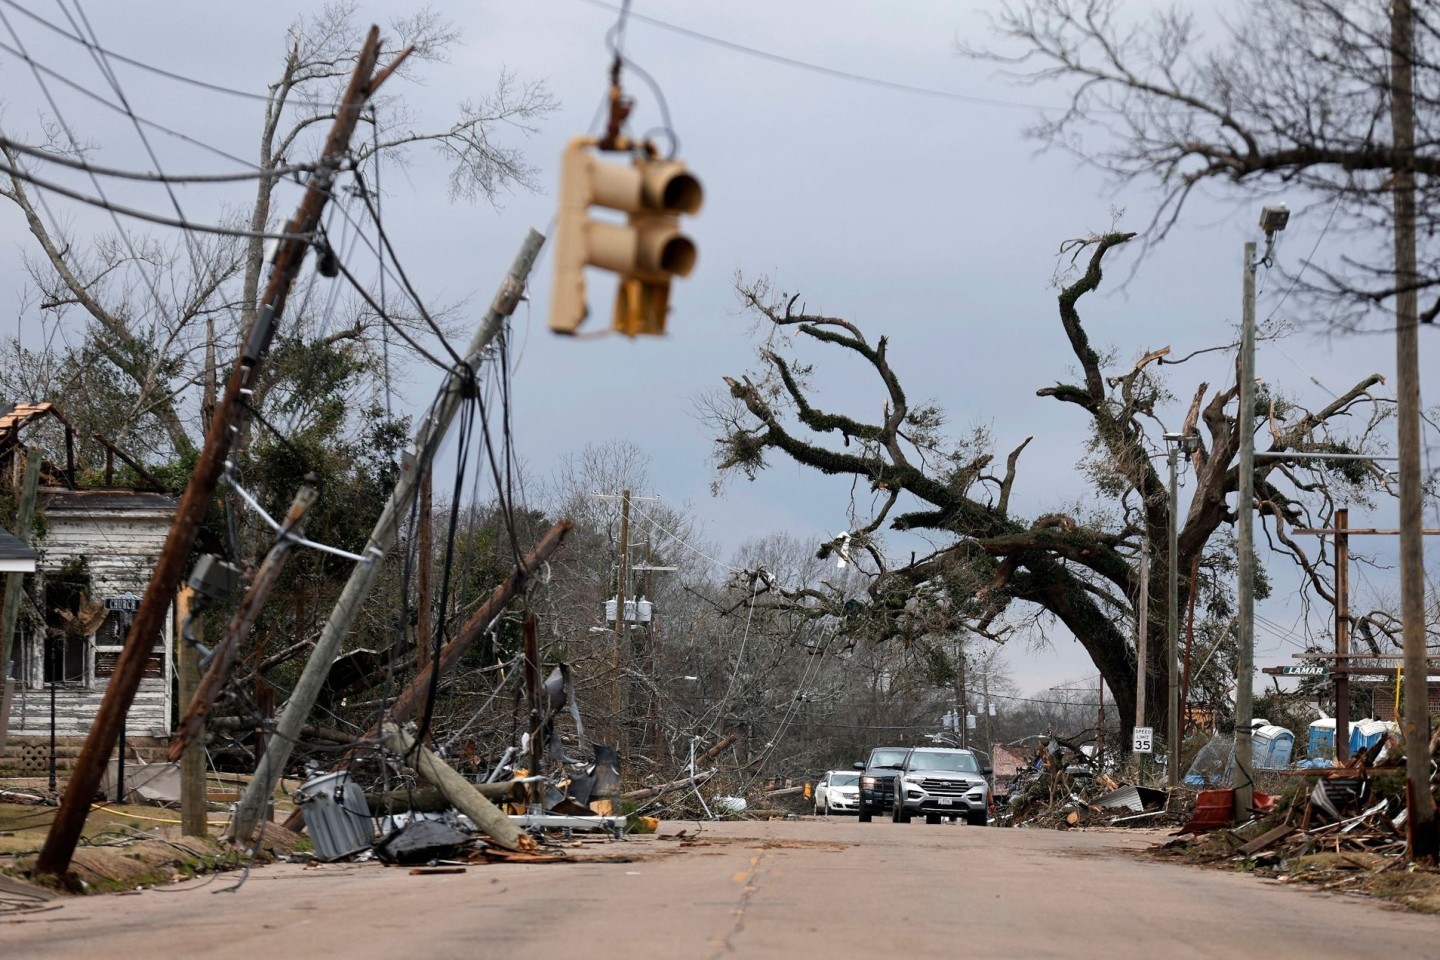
1144,740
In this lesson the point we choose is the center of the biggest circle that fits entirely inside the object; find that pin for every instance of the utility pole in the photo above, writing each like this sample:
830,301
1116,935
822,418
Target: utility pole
1342,635
300,234
1100,724
1421,831
1245,568
1142,628
962,711
1172,629
424,629
194,808
621,562
427,437
226,654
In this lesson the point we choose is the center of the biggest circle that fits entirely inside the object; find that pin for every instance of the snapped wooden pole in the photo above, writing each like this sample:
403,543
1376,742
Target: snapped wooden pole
458,385
69,821
487,817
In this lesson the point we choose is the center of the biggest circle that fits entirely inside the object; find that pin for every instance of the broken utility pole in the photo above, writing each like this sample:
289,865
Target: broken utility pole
461,792
130,668
459,385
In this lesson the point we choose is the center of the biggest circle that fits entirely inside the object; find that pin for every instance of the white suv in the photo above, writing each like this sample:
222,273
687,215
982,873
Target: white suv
940,782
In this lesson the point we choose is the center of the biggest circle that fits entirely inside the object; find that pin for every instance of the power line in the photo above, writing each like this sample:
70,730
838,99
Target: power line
145,215
816,67
50,156
147,67
81,89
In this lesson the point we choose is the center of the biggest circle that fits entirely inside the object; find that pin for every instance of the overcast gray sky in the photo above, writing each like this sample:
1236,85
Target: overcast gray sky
926,218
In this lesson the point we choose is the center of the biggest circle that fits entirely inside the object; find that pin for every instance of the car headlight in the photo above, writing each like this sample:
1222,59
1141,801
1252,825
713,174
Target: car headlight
912,781
867,781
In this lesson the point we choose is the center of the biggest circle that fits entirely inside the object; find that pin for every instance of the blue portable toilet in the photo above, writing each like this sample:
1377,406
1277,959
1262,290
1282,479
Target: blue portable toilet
1271,747
1321,745
1364,734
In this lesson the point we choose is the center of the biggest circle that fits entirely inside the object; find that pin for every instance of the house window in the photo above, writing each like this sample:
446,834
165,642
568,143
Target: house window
65,658
70,618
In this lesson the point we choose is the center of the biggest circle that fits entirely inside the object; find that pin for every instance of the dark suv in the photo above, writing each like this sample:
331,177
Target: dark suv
877,781
938,782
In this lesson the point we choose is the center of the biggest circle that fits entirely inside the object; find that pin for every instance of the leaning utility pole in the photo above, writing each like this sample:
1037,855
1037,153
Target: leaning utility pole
427,438
149,619
1421,831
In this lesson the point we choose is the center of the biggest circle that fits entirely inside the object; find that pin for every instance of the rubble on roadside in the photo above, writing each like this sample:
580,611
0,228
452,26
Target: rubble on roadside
1061,788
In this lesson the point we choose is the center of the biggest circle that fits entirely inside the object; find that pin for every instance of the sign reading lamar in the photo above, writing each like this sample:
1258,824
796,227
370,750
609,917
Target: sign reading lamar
1304,670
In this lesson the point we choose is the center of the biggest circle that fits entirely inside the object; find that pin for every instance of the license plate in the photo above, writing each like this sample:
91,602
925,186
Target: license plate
946,801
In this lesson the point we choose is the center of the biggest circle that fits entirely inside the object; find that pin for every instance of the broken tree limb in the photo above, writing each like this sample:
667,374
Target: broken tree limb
411,700
227,652
461,792
458,385
647,793
719,748
431,800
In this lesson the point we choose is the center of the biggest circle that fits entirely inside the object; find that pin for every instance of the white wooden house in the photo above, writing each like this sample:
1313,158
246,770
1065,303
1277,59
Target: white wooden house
98,545
97,540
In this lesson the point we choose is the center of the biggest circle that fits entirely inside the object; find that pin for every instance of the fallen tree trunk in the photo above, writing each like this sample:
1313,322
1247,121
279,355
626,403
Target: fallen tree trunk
431,800
487,817
645,793
716,750
783,792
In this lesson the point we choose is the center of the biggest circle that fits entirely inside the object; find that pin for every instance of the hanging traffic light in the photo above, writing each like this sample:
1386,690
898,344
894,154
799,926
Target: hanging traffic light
645,251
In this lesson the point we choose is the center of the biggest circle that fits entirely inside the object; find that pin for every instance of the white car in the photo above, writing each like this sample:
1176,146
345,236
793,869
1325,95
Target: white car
838,792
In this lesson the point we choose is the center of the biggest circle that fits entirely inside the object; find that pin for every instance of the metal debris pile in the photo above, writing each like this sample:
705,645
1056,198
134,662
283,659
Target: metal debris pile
1062,787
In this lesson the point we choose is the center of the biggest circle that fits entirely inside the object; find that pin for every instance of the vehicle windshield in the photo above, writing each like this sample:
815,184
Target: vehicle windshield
844,779
944,760
887,758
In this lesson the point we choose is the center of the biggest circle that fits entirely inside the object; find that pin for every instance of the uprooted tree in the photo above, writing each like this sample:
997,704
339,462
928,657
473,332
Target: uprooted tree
995,572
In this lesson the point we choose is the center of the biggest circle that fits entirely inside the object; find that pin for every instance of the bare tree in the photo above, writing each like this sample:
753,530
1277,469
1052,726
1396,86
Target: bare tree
1295,96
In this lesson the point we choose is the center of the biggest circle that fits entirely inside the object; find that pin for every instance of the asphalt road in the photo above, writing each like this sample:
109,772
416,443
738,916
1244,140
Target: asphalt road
807,890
